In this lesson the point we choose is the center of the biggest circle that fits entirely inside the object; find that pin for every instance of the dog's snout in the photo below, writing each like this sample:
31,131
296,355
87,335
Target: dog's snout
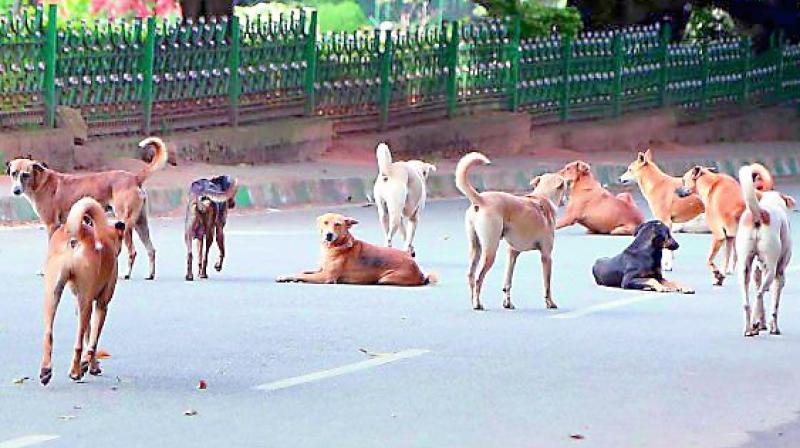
17,190
672,244
329,236
683,192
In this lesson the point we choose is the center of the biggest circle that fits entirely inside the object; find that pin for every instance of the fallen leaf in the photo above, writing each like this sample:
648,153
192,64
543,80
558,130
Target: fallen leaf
576,436
102,354
77,407
114,387
20,380
446,237
190,412
202,385
66,417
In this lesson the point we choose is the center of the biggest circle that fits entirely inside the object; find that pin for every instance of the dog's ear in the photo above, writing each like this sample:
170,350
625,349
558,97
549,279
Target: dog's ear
640,157
790,202
350,222
535,181
8,168
713,169
638,229
584,168
648,155
39,166
431,168
696,172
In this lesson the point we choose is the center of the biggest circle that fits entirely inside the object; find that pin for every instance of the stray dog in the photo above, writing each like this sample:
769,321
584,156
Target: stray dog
400,195
84,256
722,199
525,222
639,265
594,207
658,188
52,194
764,235
348,260
206,215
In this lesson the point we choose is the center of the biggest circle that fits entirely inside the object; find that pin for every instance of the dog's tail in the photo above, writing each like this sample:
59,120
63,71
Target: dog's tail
431,279
160,157
86,206
625,196
765,180
462,175
224,197
749,193
384,159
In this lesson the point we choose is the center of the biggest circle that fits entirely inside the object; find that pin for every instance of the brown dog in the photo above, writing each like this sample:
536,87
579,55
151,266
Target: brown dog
348,260
52,194
84,257
525,222
658,188
594,207
724,205
206,216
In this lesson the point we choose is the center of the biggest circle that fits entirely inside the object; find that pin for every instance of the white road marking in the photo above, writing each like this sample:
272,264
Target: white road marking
609,305
29,440
343,370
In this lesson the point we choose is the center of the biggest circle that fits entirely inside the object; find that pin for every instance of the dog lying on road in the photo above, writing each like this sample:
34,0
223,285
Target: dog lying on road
206,216
400,195
52,194
348,260
658,188
764,236
525,222
594,207
84,257
639,265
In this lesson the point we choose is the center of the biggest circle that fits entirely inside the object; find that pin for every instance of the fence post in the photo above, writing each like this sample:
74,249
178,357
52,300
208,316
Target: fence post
311,64
512,91
452,69
566,55
746,65
148,58
663,78
50,50
386,87
704,74
234,61
618,61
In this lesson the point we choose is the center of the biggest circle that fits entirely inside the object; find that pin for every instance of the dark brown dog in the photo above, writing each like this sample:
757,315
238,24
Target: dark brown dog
347,260
206,216
84,256
52,194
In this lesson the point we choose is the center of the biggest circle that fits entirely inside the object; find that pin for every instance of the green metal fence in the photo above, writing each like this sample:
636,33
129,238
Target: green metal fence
152,75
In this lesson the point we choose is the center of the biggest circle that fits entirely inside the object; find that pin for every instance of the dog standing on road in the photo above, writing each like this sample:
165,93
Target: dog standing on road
764,236
348,260
82,256
639,265
52,194
594,207
206,216
400,195
658,188
525,222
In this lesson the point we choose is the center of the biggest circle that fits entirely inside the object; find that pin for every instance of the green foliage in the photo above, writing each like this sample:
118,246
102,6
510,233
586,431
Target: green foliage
536,19
342,16
709,24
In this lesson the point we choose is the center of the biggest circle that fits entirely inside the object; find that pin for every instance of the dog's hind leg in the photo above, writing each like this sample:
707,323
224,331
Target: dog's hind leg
188,240
547,272
131,250
474,257
716,244
99,319
411,230
84,315
488,232
745,269
143,230
200,257
512,261
54,288
383,217
209,242
770,274
730,256
220,233
777,289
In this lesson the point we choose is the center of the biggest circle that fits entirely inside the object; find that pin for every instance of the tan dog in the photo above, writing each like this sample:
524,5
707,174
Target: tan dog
525,222
594,207
724,205
84,257
348,260
206,216
658,188
52,194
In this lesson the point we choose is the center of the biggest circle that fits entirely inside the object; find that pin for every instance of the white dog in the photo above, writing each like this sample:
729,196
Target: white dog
763,235
400,195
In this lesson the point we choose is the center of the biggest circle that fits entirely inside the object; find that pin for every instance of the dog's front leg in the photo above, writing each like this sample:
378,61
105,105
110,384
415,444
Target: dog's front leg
567,220
547,273
221,246
677,286
189,274
512,261
320,277
646,284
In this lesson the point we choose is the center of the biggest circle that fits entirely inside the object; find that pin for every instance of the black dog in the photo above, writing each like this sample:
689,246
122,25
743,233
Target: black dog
639,265
206,216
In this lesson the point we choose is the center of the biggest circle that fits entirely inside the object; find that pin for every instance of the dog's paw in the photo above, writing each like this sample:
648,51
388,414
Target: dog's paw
218,267
687,291
95,370
551,306
150,277
508,305
718,278
478,307
284,279
189,277
750,333
126,277
45,375
775,332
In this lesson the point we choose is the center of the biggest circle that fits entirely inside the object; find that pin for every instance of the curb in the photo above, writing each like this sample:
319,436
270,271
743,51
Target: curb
354,190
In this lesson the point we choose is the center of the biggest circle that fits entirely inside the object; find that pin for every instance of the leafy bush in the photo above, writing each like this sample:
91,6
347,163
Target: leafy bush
536,19
343,16
709,24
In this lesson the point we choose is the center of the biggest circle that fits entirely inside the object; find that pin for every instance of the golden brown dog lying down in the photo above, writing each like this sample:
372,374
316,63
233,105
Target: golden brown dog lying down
525,222
53,193
594,207
348,260
84,257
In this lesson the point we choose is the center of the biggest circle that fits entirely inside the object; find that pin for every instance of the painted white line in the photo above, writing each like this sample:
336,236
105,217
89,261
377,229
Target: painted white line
609,305
29,440
343,370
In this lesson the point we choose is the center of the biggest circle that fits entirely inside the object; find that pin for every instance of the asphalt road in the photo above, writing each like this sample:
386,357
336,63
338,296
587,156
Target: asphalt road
284,368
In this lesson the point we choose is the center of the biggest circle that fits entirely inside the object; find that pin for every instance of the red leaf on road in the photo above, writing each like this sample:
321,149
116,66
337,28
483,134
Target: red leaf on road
202,385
